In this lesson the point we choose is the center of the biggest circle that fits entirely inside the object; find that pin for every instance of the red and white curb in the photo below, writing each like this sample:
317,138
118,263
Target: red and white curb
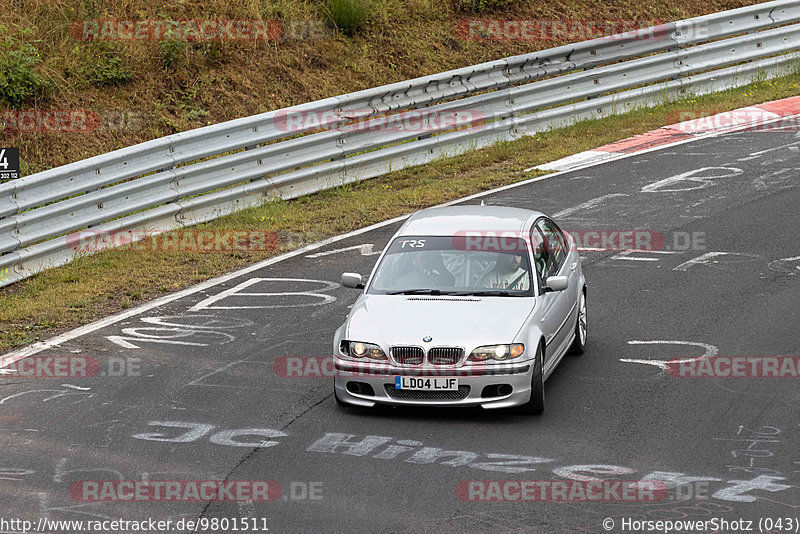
673,134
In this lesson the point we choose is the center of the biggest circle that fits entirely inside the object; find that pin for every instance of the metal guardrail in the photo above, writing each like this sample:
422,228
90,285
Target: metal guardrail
198,175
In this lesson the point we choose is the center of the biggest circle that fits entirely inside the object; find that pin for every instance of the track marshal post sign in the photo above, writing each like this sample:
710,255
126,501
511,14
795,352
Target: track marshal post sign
9,164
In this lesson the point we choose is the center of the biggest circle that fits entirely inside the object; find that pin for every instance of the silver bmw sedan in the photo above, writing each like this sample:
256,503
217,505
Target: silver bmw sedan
466,306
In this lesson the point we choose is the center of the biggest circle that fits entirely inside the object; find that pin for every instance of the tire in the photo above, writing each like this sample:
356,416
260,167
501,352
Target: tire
581,333
535,405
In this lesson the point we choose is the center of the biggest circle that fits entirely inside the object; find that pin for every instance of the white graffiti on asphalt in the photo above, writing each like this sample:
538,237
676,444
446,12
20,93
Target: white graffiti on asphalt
710,350
175,329
414,452
195,431
318,296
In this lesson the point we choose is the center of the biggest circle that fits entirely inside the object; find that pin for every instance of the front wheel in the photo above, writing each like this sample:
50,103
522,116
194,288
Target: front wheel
581,333
535,405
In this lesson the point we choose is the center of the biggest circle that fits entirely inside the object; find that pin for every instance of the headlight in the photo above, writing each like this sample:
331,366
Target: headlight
359,349
497,352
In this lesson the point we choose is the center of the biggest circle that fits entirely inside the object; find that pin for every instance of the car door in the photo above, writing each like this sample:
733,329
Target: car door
552,262
571,263
545,300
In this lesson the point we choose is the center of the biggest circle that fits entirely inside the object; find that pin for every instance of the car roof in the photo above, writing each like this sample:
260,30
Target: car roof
452,220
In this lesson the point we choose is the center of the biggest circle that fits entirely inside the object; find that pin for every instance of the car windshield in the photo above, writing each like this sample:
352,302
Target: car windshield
480,265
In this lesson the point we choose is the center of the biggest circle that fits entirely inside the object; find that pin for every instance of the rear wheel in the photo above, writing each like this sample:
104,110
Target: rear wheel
581,333
535,405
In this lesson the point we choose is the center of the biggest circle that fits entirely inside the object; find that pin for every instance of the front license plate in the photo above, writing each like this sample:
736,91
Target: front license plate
435,383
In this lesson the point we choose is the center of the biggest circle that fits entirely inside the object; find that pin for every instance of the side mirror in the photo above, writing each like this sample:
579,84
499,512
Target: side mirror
353,280
556,283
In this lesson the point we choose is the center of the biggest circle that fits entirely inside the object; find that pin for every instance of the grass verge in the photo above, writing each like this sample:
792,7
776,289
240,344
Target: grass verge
95,286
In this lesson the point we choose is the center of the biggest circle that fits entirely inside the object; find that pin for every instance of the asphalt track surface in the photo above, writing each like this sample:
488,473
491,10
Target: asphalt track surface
205,391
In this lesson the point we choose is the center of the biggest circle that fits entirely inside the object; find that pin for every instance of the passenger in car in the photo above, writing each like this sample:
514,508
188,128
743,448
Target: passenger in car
508,274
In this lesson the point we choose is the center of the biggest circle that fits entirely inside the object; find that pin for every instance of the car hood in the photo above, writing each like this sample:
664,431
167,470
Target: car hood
451,321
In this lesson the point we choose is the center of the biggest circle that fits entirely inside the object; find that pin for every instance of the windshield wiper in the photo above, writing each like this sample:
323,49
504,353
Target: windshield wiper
420,292
492,293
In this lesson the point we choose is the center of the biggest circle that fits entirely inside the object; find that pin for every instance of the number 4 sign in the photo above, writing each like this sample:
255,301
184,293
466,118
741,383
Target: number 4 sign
9,164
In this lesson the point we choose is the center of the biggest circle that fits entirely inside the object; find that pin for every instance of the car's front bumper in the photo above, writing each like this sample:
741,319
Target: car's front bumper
481,380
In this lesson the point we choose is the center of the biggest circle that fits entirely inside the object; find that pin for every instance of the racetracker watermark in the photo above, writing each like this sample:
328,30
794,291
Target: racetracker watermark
582,240
90,241
748,119
568,491
73,121
328,367
174,490
561,30
414,121
735,367
69,367
193,30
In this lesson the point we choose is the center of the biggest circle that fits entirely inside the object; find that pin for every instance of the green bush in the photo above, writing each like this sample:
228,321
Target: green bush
173,48
349,16
173,52
107,68
188,101
479,6
19,82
